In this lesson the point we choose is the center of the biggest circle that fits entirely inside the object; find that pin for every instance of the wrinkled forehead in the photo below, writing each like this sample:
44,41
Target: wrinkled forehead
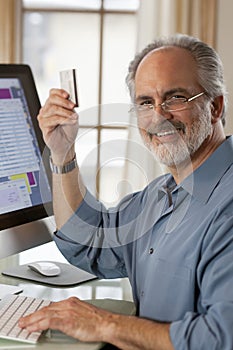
166,68
176,56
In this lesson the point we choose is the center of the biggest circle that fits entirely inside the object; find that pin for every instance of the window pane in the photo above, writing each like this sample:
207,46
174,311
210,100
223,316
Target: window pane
112,162
119,50
59,41
88,116
61,4
121,5
115,114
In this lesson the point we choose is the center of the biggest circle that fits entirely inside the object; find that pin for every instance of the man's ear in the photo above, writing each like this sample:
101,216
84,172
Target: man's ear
217,108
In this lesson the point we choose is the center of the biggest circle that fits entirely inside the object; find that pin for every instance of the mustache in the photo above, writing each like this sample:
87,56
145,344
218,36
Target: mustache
166,126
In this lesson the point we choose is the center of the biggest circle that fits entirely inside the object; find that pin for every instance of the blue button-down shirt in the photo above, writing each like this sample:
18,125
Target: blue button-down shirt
175,243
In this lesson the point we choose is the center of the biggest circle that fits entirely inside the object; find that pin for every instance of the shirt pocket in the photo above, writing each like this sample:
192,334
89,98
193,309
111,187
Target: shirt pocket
168,291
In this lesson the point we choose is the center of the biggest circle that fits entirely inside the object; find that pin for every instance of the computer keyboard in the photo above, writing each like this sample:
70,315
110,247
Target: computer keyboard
12,308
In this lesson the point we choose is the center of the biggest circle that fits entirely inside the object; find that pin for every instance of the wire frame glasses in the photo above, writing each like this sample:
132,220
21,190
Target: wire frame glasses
173,104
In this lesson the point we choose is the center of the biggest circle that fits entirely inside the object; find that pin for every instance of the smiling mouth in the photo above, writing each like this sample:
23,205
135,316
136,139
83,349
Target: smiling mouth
167,129
166,133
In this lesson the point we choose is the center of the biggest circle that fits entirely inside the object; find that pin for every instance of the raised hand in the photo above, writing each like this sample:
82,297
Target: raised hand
59,124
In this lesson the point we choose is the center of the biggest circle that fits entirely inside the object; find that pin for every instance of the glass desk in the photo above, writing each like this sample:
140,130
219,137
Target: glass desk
117,289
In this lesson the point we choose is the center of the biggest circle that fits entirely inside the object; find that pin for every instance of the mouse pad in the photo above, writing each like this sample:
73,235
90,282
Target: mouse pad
70,275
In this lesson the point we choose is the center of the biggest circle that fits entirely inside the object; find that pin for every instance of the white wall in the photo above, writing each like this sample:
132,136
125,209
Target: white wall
224,47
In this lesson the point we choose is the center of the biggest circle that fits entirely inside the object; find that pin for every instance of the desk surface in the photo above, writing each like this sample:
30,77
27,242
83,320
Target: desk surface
117,289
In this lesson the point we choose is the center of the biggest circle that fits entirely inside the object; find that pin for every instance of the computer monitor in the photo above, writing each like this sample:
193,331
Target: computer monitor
25,193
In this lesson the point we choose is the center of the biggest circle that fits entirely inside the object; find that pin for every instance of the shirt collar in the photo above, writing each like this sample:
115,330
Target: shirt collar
204,179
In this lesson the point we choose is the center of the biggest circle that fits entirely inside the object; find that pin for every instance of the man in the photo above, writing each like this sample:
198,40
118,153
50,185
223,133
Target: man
174,239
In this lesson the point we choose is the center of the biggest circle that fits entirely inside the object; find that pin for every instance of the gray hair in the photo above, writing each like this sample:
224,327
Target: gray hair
209,65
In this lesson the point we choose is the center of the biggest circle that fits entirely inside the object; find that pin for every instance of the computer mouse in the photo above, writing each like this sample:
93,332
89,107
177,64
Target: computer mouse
45,268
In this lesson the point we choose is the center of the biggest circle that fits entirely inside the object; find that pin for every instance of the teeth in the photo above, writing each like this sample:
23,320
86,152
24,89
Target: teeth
165,133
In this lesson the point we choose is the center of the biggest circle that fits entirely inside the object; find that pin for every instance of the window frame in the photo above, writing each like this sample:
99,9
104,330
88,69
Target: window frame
102,12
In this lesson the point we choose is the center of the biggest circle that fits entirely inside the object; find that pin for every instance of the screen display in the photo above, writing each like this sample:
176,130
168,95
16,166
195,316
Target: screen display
21,167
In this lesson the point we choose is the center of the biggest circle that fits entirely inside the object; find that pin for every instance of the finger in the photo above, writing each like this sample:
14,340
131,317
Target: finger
43,312
45,318
53,122
48,323
55,308
57,322
60,97
58,92
31,319
50,109
56,115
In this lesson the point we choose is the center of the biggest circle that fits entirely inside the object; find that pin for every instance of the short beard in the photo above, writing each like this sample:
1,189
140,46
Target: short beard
175,154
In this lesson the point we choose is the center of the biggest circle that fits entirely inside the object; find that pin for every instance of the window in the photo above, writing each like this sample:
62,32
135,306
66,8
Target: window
98,38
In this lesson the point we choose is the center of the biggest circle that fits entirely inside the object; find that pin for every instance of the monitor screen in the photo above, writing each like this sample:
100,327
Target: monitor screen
25,191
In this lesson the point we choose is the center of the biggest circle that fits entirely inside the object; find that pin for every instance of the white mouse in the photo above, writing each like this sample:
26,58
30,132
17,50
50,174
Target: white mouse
45,268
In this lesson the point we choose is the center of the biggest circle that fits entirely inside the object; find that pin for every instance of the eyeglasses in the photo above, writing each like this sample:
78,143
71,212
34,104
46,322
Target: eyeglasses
172,104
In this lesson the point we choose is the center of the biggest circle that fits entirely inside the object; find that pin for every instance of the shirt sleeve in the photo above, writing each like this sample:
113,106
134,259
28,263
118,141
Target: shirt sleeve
211,327
94,238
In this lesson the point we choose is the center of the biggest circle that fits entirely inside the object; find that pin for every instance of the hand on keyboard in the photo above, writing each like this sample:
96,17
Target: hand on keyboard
12,308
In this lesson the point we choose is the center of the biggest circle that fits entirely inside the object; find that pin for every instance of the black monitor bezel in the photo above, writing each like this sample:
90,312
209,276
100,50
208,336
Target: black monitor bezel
24,74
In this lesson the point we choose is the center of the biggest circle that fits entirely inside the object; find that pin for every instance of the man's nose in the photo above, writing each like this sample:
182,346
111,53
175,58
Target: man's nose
159,114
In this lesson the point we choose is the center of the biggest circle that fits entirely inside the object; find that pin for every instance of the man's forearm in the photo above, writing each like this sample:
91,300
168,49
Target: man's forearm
68,193
132,333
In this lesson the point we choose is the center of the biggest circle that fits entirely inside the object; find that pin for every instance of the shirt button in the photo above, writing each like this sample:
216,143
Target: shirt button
151,250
